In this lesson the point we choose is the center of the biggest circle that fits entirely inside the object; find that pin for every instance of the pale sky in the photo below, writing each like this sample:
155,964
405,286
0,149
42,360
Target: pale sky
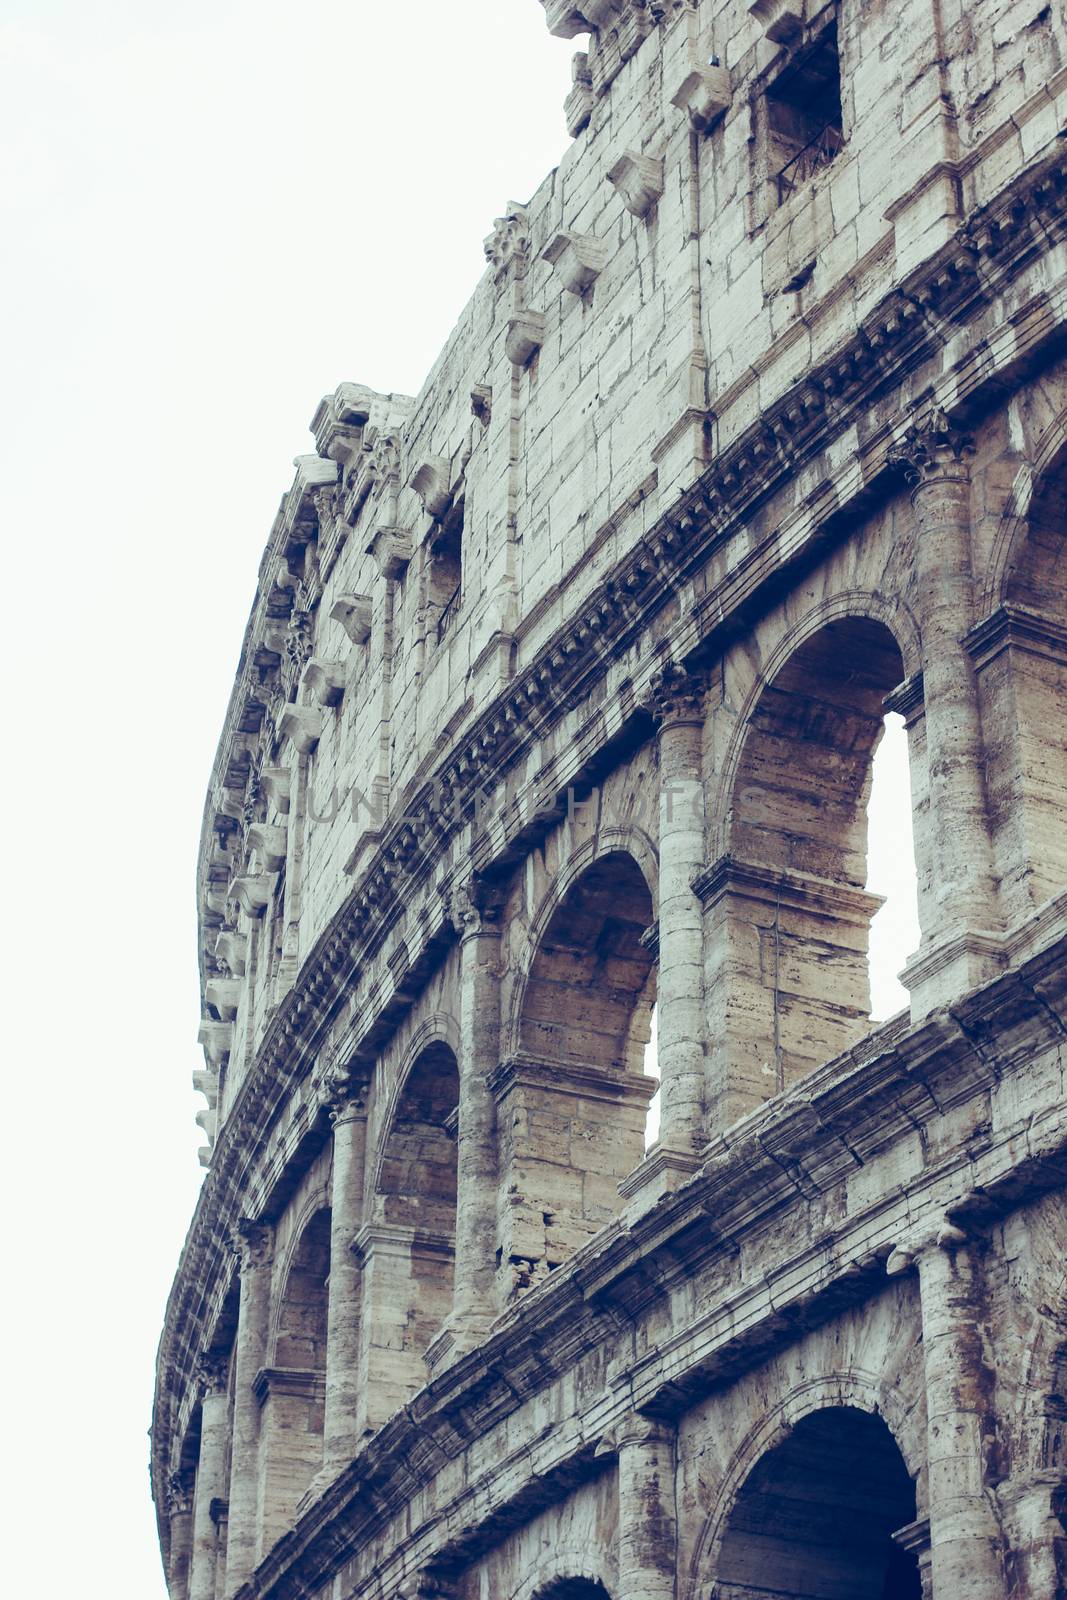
212,214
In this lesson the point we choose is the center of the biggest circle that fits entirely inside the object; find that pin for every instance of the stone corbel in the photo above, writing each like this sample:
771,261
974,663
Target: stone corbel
578,259
254,891
430,483
275,783
324,682
391,549
564,18
781,20
704,95
216,1039
302,726
225,995
578,106
353,612
206,1082
215,899
232,947
270,843
339,422
525,336
205,1121
638,180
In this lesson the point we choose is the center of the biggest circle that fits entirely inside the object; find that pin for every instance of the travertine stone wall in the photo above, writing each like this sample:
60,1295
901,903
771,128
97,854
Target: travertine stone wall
557,705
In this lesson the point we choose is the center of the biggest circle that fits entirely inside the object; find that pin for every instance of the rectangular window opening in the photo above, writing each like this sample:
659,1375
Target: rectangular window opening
804,116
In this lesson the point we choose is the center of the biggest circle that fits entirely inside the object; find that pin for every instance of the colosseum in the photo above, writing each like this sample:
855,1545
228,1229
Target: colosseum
549,754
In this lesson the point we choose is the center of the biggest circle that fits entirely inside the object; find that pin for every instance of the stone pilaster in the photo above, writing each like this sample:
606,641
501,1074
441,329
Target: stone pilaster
957,897
348,1114
253,1244
648,1542
180,1516
1034,1510
965,1536
210,1475
477,920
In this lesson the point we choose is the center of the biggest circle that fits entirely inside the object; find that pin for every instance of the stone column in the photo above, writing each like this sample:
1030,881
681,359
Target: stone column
348,1114
180,1516
210,1474
253,1244
965,1538
957,897
476,916
648,1550
676,699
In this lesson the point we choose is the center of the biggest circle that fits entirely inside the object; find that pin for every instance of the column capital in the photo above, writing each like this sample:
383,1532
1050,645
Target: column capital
213,1371
474,907
637,1429
251,1243
347,1090
940,1233
674,695
933,449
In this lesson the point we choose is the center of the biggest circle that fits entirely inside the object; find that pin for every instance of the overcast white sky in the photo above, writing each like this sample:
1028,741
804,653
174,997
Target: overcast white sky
212,214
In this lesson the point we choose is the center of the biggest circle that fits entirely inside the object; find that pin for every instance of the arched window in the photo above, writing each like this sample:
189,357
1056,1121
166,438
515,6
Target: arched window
573,1101
293,1387
816,1517
407,1249
789,913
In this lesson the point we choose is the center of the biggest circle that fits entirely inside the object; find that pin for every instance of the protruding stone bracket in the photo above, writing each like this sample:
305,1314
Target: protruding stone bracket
323,682
430,481
391,549
353,612
578,260
232,947
578,106
525,336
275,783
638,180
564,18
507,248
216,1039
704,95
270,842
206,1082
254,891
339,421
482,403
302,726
224,995
782,21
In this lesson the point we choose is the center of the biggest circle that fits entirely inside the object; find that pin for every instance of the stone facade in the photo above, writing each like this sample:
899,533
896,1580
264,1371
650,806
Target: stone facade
557,703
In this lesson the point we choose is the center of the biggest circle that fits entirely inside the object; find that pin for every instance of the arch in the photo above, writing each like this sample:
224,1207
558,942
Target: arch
856,1418
415,1163
439,1028
565,1564
789,981
299,1338
1013,530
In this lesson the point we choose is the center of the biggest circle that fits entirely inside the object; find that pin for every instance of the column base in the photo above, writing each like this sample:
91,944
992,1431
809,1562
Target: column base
942,972
661,1172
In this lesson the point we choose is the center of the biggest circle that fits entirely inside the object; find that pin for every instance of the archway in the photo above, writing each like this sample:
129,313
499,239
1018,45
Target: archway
407,1251
574,1099
814,1520
788,981
293,1388
1020,656
573,1589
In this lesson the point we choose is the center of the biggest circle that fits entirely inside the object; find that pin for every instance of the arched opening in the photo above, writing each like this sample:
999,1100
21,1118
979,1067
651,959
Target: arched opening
789,978
894,933
815,1518
292,1389
407,1251
573,1102
1020,656
573,1589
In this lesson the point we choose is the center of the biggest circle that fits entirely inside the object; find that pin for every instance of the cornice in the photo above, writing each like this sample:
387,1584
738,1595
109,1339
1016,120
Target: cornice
913,323
794,1151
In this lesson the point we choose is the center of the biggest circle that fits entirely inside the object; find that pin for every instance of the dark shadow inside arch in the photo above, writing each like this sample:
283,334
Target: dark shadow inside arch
815,1518
573,1589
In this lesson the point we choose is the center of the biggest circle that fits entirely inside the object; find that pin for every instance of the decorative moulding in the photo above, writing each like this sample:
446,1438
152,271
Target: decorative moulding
578,260
217,1040
225,995
275,783
781,20
324,681
430,483
525,336
639,181
270,843
253,892
391,549
232,947
704,95
353,612
302,726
